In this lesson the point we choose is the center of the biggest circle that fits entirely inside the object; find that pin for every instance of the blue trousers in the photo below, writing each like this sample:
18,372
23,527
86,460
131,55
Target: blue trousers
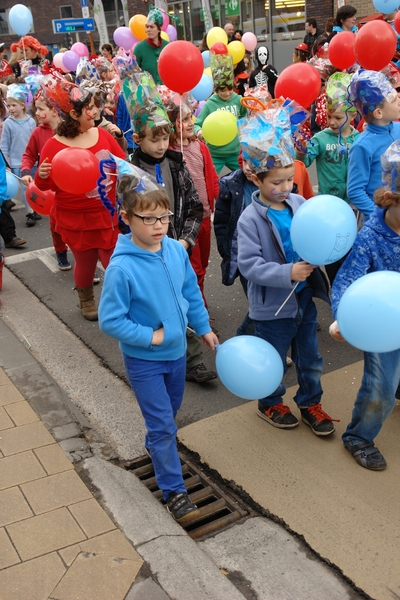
299,334
376,397
158,387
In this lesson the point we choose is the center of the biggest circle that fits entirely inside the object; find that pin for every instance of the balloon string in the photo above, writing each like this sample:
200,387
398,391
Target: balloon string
180,119
23,47
105,162
287,299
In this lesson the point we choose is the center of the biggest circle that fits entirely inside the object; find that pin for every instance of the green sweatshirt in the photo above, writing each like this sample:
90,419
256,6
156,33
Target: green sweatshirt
331,164
147,58
216,103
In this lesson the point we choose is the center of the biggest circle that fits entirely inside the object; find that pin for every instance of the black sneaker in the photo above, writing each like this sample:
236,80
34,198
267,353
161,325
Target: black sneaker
200,374
16,242
368,456
278,415
318,420
37,216
181,507
62,261
30,219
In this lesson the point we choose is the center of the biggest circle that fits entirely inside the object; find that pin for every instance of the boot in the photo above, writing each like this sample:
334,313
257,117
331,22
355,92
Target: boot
86,303
1,269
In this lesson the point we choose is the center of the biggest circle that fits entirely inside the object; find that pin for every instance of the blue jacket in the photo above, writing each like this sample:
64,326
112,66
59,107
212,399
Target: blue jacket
144,291
365,171
376,248
262,261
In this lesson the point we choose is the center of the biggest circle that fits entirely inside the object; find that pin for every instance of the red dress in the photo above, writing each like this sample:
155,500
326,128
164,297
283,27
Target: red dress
82,221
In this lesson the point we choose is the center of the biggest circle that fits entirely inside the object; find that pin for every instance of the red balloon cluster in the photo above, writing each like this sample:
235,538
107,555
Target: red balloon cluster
219,48
341,50
41,202
180,66
375,45
75,170
300,82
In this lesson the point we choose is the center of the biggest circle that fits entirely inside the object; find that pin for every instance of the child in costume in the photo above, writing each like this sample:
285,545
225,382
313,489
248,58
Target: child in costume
376,248
150,293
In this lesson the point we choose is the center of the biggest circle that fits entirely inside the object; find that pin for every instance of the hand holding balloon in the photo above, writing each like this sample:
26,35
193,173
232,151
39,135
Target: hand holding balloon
335,332
44,169
26,179
210,340
301,270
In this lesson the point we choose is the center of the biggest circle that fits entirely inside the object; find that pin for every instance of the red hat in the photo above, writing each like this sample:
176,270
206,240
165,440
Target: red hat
303,47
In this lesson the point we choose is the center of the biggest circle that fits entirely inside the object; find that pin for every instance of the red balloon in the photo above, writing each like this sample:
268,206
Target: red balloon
300,82
180,66
341,50
75,170
40,201
375,45
397,22
219,48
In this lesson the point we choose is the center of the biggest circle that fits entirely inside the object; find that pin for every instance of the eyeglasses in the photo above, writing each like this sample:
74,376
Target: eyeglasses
164,219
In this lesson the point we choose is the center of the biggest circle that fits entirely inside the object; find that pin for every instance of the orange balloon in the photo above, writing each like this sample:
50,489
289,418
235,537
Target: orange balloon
137,25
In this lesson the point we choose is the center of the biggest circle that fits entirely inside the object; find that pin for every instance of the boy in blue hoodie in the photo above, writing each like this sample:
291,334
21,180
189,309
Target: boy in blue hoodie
150,292
280,285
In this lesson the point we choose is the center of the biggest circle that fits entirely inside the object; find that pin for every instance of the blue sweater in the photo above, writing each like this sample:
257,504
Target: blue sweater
376,248
144,291
14,139
365,171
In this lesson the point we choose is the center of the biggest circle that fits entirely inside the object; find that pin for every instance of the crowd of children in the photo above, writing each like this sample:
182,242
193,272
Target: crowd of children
154,295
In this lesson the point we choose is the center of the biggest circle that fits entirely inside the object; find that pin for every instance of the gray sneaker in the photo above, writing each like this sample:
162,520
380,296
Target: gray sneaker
200,374
181,507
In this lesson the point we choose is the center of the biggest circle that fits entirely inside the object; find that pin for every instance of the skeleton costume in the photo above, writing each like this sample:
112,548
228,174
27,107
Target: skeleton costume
263,74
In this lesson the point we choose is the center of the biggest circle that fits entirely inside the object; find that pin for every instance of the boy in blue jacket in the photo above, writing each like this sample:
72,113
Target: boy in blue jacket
150,292
280,284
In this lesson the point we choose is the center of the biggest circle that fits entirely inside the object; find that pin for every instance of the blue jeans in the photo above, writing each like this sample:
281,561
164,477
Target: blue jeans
299,334
158,387
376,397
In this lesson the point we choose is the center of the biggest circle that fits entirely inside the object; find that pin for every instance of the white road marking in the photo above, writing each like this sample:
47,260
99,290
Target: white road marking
46,255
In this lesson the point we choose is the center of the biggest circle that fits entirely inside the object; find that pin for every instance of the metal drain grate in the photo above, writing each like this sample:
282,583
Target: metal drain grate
217,509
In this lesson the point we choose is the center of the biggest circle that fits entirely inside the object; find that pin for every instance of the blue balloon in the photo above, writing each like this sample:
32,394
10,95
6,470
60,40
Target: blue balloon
206,58
203,89
249,367
386,6
20,19
12,186
323,230
369,312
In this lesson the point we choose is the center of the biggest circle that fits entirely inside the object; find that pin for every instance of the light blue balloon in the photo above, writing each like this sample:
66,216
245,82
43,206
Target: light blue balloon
249,367
20,19
12,186
369,312
323,230
203,89
206,58
386,6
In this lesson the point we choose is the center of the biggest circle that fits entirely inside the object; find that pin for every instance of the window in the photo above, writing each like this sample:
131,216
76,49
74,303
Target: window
66,12
5,28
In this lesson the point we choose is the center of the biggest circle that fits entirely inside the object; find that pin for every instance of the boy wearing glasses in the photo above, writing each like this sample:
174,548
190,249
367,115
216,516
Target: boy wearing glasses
224,98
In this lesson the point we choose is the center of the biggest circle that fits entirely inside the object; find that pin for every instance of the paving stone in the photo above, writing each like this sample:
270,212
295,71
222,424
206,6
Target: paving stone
74,445
9,394
44,533
33,580
91,517
24,438
146,590
5,421
53,459
64,432
94,576
20,468
113,543
8,555
55,491
13,506
21,413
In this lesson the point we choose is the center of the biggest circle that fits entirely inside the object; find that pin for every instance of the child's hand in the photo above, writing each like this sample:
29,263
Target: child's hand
210,339
44,169
158,337
111,128
26,179
200,136
301,270
335,332
185,244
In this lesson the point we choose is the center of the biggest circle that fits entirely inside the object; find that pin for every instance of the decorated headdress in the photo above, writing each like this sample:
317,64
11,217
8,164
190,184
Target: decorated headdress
19,92
28,41
390,161
155,15
222,70
125,64
89,81
102,65
61,94
368,89
337,97
143,101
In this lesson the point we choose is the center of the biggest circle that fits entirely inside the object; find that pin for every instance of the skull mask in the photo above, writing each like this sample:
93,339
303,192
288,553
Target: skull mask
262,55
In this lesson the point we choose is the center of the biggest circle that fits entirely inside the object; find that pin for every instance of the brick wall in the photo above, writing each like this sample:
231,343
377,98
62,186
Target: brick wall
320,10
364,7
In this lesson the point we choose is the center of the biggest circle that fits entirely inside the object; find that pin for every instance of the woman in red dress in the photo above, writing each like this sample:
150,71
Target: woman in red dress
82,220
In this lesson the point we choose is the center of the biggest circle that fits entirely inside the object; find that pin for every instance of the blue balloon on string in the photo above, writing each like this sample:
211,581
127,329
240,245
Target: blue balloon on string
249,367
386,6
323,230
368,314
12,186
203,89
20,19
206,58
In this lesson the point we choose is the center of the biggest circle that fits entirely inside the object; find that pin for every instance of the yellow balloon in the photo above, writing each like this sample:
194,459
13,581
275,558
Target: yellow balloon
219,128
208,72
137,24
237,51
165,36
216,34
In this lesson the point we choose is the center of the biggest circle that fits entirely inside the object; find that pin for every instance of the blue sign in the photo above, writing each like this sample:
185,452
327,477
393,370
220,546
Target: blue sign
72,25
84,3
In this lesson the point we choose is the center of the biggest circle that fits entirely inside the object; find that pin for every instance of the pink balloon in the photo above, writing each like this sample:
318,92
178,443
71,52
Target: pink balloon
80,49
58,62
172,33
70,60
249,41
124,38
165,22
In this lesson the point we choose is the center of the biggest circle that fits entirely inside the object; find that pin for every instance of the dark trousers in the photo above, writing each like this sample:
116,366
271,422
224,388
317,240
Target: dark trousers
7,225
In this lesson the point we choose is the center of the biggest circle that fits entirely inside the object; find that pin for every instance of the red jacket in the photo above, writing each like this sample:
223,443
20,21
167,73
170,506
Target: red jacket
210,174
31,156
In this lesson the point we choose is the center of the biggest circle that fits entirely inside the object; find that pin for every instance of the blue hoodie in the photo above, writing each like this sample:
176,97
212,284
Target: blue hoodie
376,248
144,291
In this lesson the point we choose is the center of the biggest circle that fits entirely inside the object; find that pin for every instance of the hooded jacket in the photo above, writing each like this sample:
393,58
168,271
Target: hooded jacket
144,291
376,248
